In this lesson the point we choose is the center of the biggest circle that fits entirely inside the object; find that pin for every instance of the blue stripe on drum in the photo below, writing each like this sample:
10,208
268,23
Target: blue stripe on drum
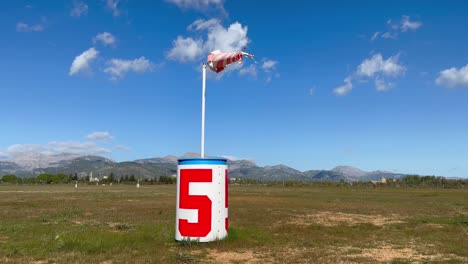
200,161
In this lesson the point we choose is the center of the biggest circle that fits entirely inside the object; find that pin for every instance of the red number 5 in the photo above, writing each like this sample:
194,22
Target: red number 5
200,202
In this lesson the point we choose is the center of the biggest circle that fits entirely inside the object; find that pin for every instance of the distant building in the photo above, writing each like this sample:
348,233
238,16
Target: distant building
383,180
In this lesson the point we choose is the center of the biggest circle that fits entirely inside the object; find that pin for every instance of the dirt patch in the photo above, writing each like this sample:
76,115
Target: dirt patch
436,226
3,239
387,253
118,226
234,257
326,218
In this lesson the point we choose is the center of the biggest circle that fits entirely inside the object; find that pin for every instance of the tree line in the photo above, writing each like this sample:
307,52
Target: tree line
409,181
48,178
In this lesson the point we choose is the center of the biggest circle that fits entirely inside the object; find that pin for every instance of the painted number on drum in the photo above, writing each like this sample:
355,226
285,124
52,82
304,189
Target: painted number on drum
199,202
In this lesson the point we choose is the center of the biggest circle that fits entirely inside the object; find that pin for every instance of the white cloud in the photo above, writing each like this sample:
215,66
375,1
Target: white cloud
389,35
81,62
381,85
201,5
55,147
118,67
394,29
375,36
105,38
345,88
112,5
230,39
406,24
377,65
185,49
23,27
79,8
201,24
376,68
250,70
453,77
269,65
99,135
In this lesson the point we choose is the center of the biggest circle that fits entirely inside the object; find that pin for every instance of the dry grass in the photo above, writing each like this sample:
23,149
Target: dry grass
123,224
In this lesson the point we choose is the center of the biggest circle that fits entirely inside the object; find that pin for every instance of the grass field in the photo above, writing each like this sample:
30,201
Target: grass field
123,224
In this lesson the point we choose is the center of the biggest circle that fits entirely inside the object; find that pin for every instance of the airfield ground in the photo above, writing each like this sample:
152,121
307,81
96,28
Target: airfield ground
268,224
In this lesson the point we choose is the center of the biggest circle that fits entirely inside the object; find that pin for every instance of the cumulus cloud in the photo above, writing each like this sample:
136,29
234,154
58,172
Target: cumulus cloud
106,38
453,77
185,49
251,70
345,88
377,65
376,68
79,8
56,147
375,36
118,67
99,135
112,5
230,39
201,5
81,62
23,27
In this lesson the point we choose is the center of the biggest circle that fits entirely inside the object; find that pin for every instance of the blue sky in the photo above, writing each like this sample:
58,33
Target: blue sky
368,84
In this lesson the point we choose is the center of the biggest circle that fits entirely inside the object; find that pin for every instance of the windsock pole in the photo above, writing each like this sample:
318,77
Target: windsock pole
203,113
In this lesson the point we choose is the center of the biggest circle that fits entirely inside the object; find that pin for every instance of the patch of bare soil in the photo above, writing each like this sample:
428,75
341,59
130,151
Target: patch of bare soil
234,257
387,253
118,226
326,218
3,239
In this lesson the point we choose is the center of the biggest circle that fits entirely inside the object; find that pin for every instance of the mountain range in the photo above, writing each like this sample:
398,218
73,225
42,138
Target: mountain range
28,165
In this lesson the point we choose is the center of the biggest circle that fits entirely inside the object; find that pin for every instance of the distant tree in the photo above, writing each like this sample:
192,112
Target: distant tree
10,178
74,177
53,178
132,178
111,177
167,180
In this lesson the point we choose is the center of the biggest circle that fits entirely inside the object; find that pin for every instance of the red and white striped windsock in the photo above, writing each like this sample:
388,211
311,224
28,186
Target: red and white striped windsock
217,60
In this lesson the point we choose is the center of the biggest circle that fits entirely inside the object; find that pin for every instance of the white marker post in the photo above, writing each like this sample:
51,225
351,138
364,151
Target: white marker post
203,113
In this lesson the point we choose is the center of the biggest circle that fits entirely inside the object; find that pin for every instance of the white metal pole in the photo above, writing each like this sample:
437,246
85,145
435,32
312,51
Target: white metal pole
203,113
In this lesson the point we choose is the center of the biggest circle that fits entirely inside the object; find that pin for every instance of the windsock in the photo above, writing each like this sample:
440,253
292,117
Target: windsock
217,60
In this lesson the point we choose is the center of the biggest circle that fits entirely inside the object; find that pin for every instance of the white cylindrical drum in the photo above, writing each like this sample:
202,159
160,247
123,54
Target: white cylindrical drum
202,199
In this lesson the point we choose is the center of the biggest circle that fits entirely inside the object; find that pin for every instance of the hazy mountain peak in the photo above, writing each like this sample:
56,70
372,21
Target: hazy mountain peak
350,171
34,160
